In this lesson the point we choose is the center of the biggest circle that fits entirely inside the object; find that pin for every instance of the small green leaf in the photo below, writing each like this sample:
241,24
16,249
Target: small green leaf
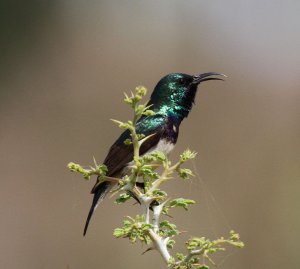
194,260
170,243
165,210
118,232
158,192
167,229
127,141
180,256
101,170
159,155
202,267
154,156
123,198
181,202
140,136
185,173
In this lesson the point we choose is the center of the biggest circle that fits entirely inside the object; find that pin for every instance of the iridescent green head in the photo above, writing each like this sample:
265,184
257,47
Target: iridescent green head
175,93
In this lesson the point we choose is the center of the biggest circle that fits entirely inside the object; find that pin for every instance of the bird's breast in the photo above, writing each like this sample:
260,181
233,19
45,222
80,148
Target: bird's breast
164,146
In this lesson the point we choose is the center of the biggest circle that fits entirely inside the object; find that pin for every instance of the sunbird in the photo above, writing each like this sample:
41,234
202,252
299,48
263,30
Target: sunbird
171,100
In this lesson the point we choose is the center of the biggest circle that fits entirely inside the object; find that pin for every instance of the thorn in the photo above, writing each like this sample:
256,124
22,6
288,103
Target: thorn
95,163
148,249
145,138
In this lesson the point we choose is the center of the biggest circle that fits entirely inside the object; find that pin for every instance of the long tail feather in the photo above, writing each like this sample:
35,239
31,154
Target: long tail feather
99,193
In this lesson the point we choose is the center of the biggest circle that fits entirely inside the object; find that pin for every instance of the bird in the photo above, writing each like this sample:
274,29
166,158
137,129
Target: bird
171,100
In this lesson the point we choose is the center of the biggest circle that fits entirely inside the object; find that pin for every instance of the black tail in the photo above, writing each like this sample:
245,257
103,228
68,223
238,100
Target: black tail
99,193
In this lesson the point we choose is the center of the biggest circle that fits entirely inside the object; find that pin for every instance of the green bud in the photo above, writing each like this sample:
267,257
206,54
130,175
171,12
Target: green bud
234,236
149,112
139,110
74,167
141,91
102,169
171,262
187,155
128,100
123,125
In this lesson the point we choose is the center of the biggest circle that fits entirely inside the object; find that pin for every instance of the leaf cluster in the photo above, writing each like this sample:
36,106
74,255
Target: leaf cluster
135,228
203,247
134,98
98,170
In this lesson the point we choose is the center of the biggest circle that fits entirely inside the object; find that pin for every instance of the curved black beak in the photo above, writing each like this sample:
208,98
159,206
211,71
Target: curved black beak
207,76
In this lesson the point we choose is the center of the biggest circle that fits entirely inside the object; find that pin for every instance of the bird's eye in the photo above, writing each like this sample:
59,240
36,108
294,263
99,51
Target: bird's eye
181,81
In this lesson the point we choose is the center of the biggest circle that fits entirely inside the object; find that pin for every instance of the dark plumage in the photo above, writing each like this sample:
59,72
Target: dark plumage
171,100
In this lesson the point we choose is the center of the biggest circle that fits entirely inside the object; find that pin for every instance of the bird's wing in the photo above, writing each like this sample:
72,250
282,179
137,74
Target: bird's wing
120,154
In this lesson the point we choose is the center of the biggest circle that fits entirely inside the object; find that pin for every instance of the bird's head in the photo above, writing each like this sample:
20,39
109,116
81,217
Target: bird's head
175,93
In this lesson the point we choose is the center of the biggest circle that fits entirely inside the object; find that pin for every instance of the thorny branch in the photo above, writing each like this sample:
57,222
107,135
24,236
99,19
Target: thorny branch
148,227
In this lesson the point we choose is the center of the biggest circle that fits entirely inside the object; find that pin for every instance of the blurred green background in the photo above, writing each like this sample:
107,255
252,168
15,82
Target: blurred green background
64,67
